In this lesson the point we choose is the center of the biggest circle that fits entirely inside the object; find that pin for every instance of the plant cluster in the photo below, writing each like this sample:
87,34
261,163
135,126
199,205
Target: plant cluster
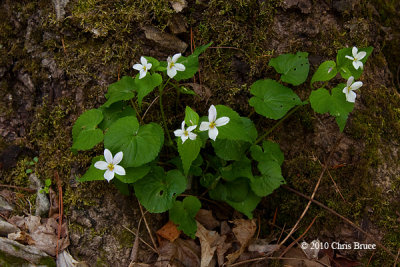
223,150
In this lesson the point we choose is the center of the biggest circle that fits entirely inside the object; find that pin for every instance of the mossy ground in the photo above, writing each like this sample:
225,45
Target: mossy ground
99,41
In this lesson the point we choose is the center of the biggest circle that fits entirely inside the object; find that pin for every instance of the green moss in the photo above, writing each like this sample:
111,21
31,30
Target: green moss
124,237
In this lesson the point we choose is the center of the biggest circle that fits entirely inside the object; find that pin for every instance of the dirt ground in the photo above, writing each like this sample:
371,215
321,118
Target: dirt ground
57,60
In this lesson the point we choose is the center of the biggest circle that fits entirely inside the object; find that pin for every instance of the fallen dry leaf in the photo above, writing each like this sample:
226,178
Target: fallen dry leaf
169,231
185,252
262,246
244,231
222,248
225,228
65,259
206,218
43,233
22,237
300,260
208,242
203,91
312,249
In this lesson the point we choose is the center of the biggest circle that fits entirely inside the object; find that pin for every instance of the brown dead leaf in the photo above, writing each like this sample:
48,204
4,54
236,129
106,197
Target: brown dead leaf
262,246
244,231
177,253
208,242
43,232
222,248
299,259
206,218
203,91
225,228
53,197
169,231
22,237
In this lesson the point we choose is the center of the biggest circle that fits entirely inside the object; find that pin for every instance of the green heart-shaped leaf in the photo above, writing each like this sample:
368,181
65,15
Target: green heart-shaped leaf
270,179
272,99
157,190
188,152
114,112
146,85
140,145
121,90
294,68
326,71
85,134
320,100
183,212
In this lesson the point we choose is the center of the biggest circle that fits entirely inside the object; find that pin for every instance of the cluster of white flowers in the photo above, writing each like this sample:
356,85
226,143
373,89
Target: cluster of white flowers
351,85
210,126
172,67
111,164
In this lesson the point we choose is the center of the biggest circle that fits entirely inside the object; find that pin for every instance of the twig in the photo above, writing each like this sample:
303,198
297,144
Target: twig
397,257
60,210
63,45
274,219
370,258
342,217
259,226
19,188
155,99
283,229
333,181
274,258
137,112
312,196
147,226
135,247
191,48
297,239
141,239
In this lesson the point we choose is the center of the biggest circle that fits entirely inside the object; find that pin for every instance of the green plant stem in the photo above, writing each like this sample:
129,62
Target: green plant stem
162,112
277,124
137,112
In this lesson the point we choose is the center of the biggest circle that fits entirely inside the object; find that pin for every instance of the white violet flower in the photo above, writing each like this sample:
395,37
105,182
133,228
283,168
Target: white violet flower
173,67
357,56
143,68
110,165
348,90
213,123
185,134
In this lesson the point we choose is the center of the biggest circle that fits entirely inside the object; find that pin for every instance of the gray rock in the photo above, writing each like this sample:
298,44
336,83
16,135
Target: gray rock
7,228
5,206
42,202
16,252
178,5
59,6
166,40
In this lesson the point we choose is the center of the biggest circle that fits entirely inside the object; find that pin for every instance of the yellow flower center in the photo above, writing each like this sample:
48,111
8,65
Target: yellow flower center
171,64
110,166
144,67
186,133
212,124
